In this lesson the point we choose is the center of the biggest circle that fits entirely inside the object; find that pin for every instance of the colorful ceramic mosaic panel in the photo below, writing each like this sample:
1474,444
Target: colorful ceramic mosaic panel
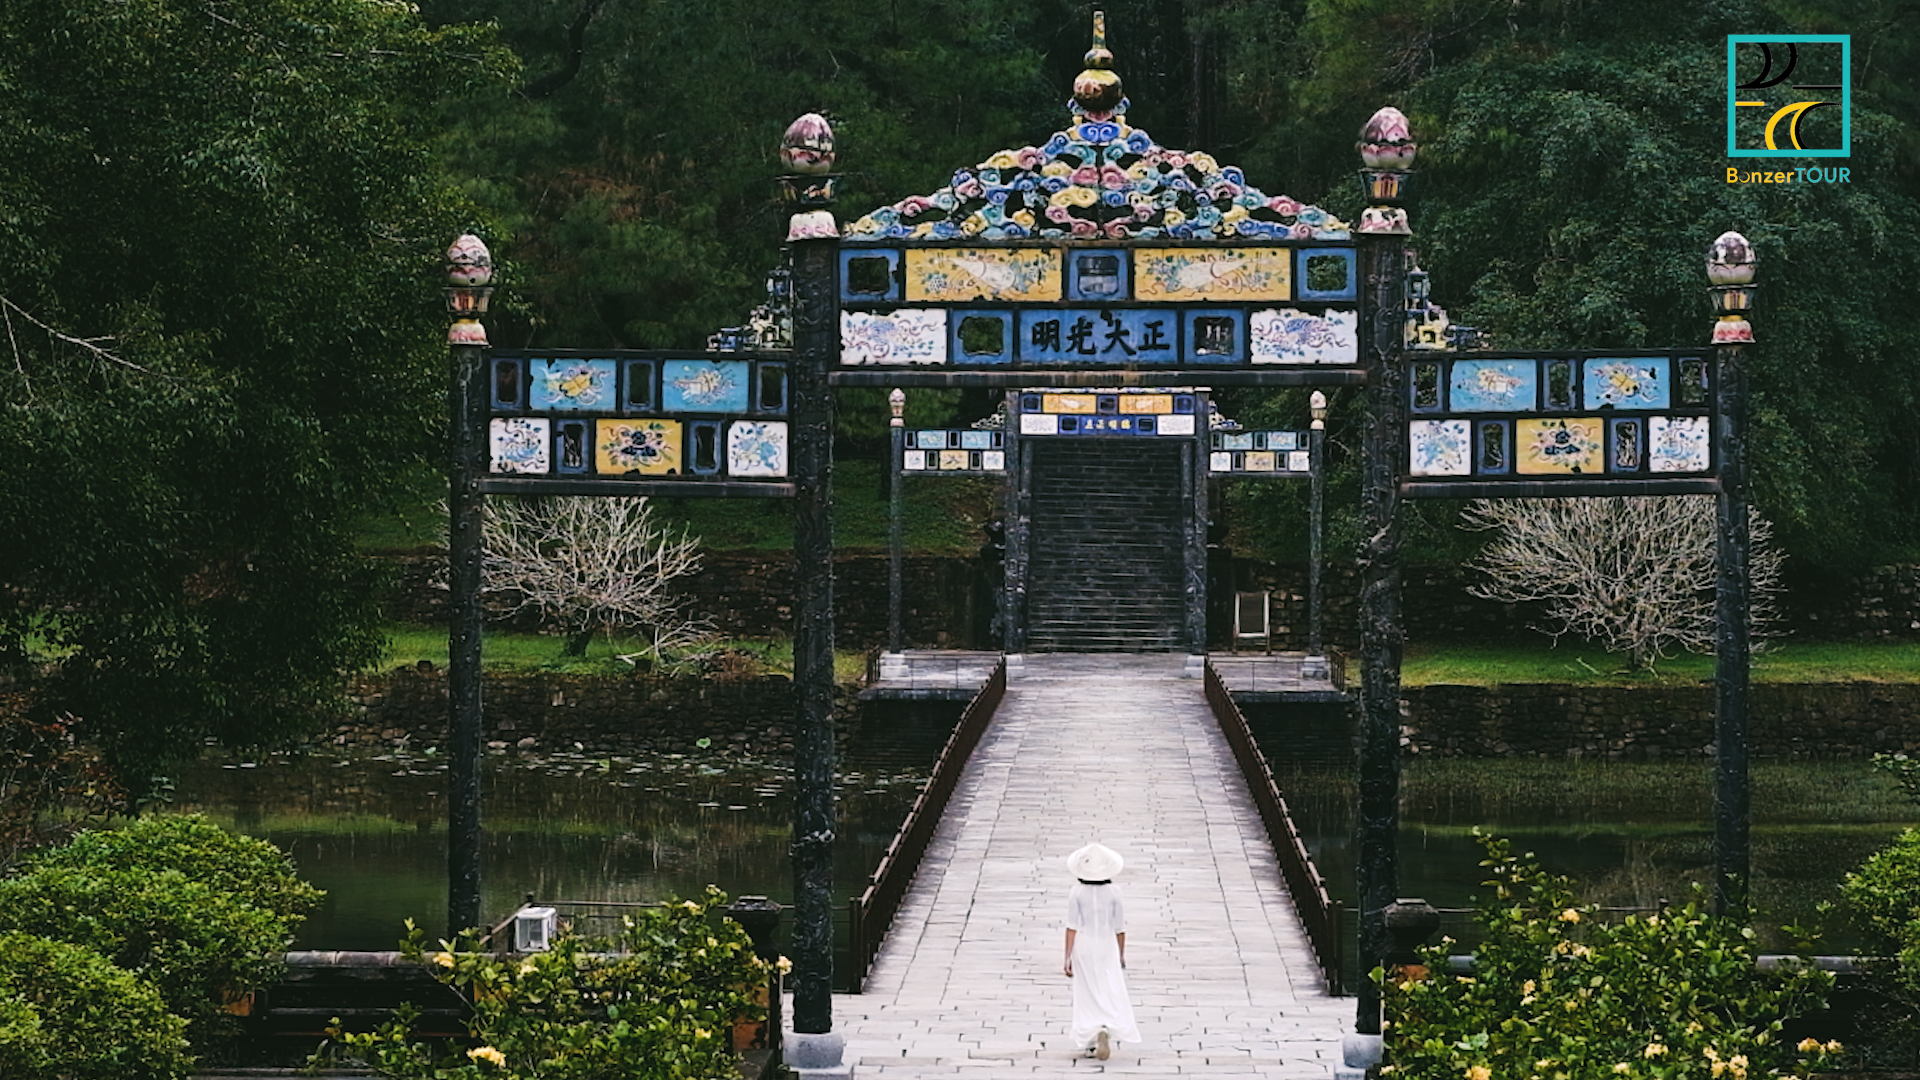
1113,413
955,451
1561,446
1262,453
1146,305
1438,448
1099,336
906,336
573,385
1680,443
665,418
518,445
1098,178
704,386
644,447
1292,336
1188,274
757,448
1640,382
960,274
1548,419
1494,386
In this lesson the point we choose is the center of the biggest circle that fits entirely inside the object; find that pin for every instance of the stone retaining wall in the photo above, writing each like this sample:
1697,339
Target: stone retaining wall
1844,720
614,715
642,715
950,601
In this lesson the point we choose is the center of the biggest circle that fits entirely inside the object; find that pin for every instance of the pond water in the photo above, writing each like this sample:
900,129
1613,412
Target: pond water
1630,835
370,828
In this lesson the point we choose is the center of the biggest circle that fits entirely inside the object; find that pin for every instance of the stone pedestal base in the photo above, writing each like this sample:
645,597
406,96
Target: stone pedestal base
817,1056
1358,1053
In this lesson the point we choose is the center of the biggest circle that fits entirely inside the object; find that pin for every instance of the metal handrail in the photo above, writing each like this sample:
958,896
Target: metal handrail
1309,889
871,914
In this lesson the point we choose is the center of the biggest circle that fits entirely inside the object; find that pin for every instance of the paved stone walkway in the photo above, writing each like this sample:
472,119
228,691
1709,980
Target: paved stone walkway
1123,750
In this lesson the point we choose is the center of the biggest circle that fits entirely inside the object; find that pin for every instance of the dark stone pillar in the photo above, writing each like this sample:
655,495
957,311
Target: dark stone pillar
1013,602
1195,484
816,290
1732,644
467,436
1380,621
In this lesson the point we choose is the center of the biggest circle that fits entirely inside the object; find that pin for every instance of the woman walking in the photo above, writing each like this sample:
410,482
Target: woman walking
1097,953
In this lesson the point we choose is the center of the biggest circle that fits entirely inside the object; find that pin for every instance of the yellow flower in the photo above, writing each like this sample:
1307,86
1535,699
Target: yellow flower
701,1033
1570,916
1653,1050
489,1055
691,906
1479,1072
1622,1067
443,959
785,965
1832,1047
1528,987
1693,1028
526,966
1808,1046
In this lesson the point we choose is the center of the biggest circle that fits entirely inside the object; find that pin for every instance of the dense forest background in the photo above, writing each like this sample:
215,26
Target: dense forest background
221,224
1571,174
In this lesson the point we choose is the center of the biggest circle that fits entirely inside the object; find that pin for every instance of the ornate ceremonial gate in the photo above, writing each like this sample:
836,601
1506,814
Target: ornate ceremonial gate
1107,284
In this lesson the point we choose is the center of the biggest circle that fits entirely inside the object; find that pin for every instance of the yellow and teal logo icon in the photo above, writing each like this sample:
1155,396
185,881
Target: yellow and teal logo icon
1789,95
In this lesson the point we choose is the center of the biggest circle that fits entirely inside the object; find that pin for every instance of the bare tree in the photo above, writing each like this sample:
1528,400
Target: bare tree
590,563
1634,575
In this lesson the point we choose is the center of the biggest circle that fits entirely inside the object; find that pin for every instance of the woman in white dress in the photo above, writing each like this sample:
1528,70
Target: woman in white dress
1097,953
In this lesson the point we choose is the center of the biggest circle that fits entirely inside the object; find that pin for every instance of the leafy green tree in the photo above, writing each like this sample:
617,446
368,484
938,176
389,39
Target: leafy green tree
636,196
66,1013
1572,173
221,229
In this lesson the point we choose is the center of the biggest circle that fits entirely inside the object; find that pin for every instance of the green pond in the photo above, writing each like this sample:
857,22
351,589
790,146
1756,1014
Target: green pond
1630,834
370,828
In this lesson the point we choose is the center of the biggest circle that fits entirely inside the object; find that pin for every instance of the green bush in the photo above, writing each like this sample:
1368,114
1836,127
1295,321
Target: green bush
1557,995
193,943
1883,897
66,1013
247,870
200,913
659,1004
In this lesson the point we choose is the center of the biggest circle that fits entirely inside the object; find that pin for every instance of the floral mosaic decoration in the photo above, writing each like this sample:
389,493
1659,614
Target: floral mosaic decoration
1099,178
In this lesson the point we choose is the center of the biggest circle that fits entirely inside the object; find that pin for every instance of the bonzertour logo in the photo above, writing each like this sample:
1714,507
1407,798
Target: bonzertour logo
1789,95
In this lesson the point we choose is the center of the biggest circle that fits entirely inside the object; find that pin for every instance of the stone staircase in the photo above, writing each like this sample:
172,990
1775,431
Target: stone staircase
1106,570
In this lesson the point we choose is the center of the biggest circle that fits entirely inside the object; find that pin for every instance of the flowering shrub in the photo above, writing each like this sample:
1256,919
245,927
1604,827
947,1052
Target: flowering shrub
1557,995
659,1005
1884,899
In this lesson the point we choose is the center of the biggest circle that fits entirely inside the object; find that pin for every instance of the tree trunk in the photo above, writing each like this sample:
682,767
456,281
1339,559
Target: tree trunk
577,641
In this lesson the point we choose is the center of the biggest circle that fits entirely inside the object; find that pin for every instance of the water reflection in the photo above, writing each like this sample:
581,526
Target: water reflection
371,829
1628,834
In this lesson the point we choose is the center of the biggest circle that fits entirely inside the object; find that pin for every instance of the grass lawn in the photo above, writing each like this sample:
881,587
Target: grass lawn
1788,661
942,516
503,650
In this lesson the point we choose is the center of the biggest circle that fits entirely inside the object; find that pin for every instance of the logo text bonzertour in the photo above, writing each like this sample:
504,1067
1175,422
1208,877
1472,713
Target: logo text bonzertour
1812,175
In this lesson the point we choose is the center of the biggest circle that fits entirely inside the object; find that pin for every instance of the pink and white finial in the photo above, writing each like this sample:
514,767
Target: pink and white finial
1386,141
807,147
